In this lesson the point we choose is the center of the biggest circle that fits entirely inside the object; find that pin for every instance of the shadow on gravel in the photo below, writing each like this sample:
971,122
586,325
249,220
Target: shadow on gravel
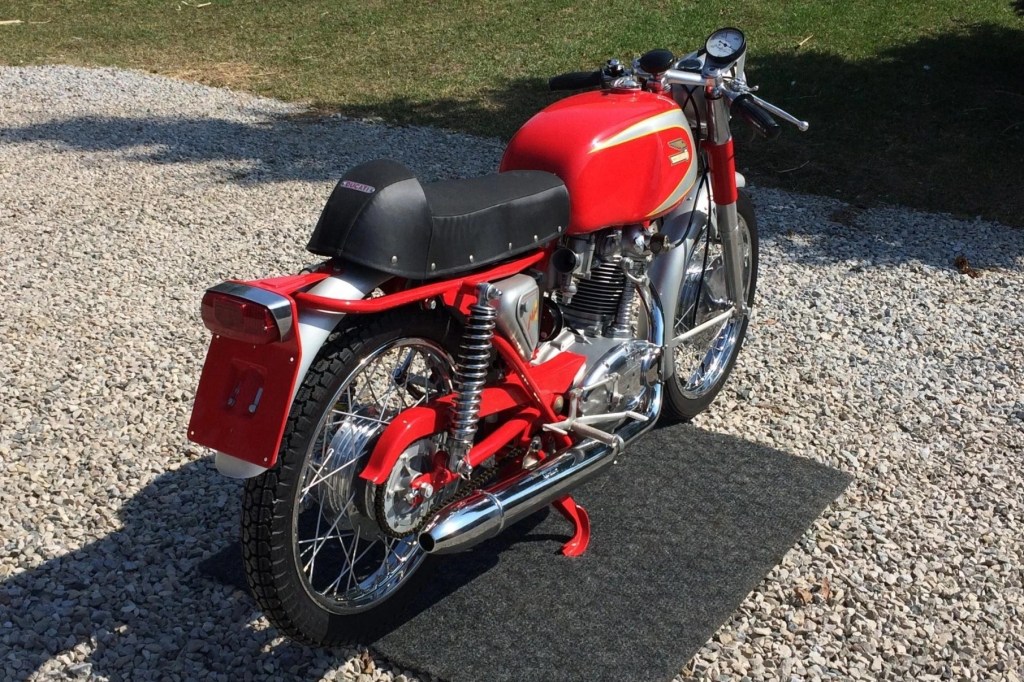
282,148
323,149
157,617
687,524
936,124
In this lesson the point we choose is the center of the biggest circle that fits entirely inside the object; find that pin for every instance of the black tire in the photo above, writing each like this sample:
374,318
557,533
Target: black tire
271,507
684,405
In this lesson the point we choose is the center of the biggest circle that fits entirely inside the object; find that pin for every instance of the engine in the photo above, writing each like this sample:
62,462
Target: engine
587,303
595,305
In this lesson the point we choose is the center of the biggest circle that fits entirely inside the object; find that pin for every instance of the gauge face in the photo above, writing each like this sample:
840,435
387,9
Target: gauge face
725,44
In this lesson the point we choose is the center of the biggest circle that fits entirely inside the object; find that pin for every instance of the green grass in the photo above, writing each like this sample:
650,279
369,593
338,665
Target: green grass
949,137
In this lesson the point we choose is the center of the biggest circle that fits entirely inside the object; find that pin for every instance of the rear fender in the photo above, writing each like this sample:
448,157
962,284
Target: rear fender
247,438
316,325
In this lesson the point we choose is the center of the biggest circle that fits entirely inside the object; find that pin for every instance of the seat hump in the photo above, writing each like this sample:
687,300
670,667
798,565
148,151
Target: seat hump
371,208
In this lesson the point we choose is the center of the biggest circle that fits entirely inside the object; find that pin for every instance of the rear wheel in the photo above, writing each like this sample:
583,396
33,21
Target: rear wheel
703,362
317,560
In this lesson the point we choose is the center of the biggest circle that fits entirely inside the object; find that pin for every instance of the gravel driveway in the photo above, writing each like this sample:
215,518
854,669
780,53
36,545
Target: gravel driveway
123,195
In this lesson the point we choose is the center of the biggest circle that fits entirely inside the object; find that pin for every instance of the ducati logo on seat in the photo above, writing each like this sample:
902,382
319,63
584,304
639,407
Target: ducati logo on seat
682,151
358,186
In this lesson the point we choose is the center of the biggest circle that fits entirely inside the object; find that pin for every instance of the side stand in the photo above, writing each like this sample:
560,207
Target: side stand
577,516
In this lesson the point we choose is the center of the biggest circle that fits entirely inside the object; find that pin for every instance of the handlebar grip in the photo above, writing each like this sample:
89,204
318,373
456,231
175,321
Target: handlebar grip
756,116
575,80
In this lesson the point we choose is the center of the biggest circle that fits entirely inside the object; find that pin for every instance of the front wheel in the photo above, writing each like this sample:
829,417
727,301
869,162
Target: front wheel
703,362
317,559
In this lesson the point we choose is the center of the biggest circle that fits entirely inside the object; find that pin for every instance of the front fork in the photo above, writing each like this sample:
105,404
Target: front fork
725,193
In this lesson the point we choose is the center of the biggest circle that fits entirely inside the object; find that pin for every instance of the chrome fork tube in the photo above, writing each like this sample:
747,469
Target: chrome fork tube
727,218
732,251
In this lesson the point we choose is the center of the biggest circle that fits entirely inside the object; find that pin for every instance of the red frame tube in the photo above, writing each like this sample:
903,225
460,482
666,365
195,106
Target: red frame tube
450,287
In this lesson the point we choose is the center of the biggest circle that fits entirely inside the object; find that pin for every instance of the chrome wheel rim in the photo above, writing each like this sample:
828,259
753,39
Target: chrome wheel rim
701,361
345,562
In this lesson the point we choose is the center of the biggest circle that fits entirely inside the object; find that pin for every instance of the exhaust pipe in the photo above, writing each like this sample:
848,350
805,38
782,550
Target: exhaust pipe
486,513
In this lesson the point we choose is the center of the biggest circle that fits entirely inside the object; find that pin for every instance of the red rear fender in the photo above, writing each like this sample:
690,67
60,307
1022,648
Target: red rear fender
553,378
243,398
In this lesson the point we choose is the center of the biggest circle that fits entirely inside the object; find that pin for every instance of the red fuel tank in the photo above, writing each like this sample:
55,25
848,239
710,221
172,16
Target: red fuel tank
626,156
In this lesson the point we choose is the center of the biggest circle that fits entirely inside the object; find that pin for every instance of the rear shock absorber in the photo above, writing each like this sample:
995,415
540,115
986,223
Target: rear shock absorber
475,354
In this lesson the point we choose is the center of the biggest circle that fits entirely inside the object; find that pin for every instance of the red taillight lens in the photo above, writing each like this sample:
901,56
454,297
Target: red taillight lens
239,319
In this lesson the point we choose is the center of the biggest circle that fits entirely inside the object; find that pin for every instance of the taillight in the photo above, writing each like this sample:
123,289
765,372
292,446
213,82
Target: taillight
239,319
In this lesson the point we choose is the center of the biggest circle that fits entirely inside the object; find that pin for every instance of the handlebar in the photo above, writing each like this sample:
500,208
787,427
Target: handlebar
750,107
802,126
693,79
758,118
575,80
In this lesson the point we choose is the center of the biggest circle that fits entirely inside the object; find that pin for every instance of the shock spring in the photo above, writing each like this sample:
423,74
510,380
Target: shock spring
475,354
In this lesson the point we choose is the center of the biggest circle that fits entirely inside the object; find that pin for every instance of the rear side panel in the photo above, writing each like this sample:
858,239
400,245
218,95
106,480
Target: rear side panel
626,157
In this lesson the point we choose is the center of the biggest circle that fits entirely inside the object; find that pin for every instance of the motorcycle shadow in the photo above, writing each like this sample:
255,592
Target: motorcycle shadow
447,574
136,602
707,509
154,598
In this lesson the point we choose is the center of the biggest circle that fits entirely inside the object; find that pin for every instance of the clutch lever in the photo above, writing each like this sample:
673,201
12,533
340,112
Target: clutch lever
802,126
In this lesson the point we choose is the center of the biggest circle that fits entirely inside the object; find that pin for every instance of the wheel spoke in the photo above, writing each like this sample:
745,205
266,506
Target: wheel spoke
702,360
347,568
323,540
323,478
352,415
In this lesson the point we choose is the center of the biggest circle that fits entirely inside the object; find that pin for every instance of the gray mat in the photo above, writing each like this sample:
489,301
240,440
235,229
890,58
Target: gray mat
684,527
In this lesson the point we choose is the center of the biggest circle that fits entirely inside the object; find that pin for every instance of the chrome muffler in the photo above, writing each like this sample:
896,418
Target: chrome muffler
486,513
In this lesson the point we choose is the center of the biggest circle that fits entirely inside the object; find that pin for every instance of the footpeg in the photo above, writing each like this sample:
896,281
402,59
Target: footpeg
581,426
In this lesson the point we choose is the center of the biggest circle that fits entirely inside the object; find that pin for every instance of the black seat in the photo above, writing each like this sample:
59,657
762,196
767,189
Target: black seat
379,215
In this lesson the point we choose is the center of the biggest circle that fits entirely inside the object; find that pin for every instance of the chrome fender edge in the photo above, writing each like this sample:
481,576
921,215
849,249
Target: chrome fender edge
232,467
313,328
682,227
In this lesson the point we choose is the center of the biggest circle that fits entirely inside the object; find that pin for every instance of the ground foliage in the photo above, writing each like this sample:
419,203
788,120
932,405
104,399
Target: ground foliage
920,103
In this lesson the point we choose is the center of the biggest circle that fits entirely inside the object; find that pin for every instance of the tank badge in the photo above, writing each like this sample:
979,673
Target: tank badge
682,152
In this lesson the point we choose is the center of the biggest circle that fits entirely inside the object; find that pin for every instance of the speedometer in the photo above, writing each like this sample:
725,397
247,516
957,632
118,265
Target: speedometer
726,45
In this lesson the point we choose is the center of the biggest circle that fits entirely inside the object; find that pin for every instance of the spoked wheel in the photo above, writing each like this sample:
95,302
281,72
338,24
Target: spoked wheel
316,557
703,362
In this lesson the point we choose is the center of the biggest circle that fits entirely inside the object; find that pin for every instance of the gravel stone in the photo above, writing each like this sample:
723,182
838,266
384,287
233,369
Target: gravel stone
126,194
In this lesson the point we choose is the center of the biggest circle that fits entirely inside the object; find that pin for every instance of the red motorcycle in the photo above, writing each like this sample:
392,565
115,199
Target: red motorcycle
473,350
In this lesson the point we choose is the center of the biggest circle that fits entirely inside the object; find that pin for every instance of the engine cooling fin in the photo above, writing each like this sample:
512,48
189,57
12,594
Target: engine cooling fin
596,301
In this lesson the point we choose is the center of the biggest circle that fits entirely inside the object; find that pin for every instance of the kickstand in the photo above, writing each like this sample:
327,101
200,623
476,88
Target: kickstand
578,517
